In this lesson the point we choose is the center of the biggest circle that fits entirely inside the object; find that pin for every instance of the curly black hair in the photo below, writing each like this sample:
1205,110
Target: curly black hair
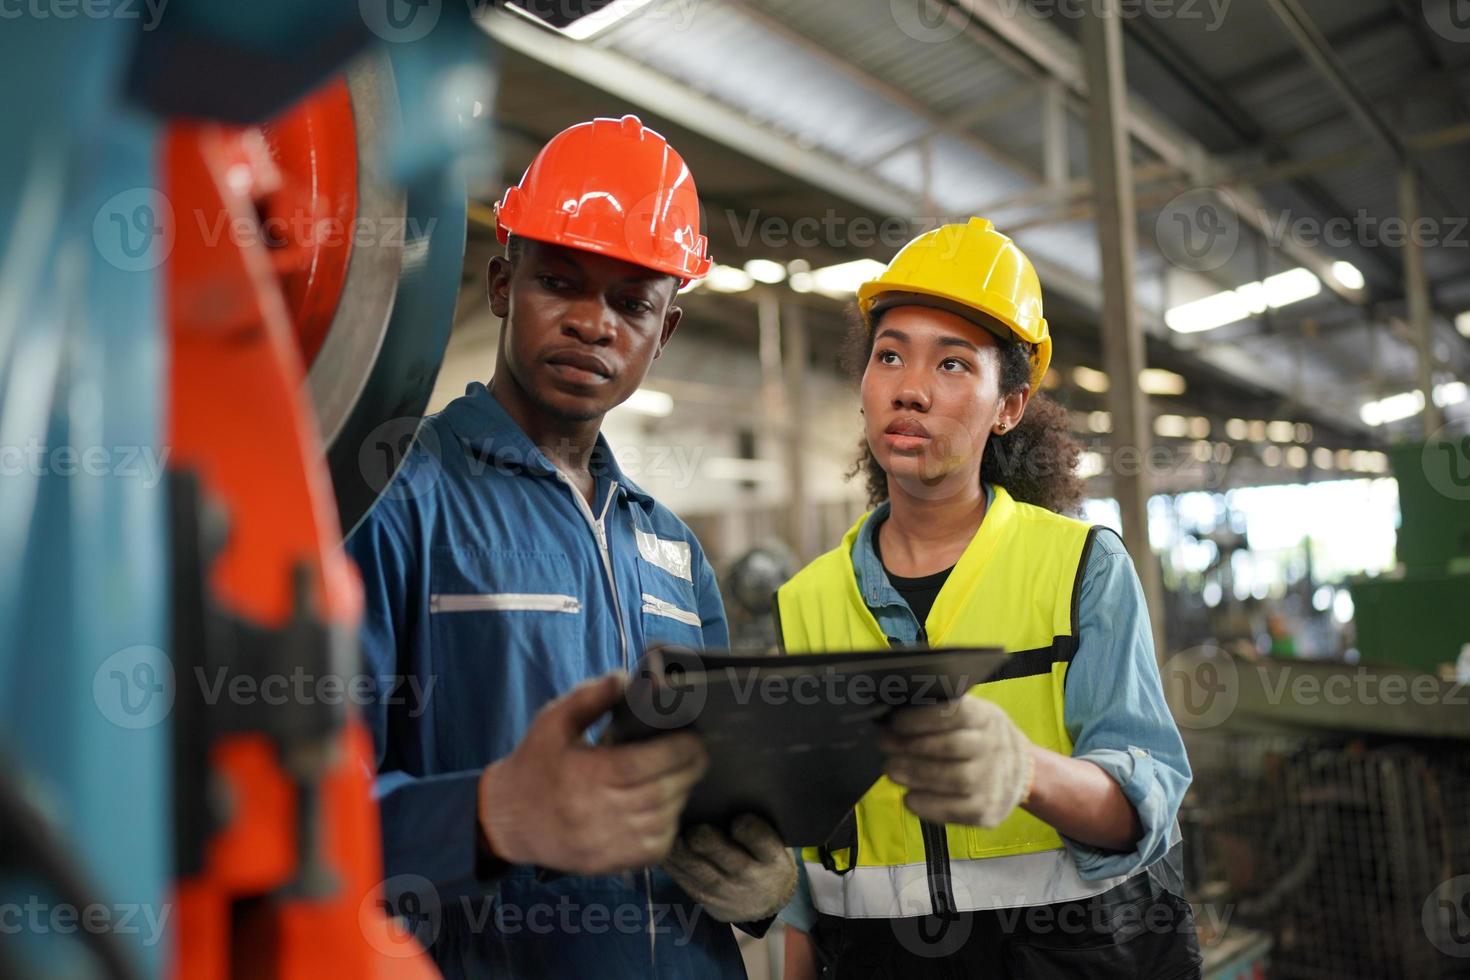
1036,461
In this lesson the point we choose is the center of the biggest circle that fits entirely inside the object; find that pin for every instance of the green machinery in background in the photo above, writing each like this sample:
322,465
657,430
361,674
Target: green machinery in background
1419,616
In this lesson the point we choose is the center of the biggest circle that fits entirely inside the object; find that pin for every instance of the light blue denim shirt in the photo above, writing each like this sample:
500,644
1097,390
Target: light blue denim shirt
1115,710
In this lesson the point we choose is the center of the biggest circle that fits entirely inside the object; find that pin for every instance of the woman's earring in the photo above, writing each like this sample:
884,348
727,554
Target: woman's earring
1000,429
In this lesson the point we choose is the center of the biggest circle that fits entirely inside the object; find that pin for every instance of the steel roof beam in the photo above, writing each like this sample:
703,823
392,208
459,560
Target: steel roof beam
988,22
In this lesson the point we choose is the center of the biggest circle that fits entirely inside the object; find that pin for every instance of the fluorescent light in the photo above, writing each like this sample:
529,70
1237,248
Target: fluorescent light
1347,274
1090,379
1100,421
1462,323
1171,426
728,279
1199,427
1290,287
1279,431
1256,430
1237,429
1237,304
766,271
1204,451
1296,457
1322,458
600,20
1157,381
1394,408
801,282
1451,393
1271,455
1369,462
1303,432
1207,314
842,280
1090,464
650,401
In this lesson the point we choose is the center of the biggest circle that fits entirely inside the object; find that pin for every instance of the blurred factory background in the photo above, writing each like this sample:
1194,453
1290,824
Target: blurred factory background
1289,324
1251,220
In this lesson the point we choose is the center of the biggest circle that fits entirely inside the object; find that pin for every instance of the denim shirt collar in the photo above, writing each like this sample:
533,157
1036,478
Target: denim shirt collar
882,599
486,430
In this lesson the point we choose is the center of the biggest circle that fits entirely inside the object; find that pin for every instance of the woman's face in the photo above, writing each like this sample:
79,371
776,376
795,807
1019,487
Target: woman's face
931,398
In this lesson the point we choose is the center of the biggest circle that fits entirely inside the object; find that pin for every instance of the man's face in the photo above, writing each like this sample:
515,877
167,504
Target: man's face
581,329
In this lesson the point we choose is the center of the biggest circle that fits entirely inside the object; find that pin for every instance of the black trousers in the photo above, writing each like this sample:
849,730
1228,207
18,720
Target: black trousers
1137,931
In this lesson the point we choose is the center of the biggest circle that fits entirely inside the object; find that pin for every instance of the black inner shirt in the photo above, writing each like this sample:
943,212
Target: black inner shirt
920,592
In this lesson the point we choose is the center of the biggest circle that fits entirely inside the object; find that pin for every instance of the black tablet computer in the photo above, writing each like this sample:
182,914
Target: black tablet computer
793,739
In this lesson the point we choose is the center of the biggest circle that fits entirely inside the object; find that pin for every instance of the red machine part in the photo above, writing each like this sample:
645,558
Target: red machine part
309,219
238,421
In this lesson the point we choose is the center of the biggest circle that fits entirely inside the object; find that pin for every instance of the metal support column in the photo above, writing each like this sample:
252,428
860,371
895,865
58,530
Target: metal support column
1112,175
1054,148
1416,288
801,524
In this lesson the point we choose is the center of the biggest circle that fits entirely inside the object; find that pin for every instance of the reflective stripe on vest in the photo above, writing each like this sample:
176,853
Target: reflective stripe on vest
1015,587
898,891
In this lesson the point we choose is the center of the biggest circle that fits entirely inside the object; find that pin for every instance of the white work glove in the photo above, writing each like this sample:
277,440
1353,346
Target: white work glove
962,762
745,877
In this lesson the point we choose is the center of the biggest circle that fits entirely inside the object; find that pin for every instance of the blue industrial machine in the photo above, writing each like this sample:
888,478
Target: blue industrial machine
103,743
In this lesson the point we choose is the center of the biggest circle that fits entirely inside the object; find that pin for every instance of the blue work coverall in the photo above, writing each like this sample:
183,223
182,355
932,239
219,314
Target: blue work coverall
492,588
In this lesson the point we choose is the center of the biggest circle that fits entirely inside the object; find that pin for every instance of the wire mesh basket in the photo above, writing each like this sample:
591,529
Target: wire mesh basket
1354,856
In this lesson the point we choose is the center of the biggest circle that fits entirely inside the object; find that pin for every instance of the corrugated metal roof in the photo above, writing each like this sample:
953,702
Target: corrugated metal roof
843,77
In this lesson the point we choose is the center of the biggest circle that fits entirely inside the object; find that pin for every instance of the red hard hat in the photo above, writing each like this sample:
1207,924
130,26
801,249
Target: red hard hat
613,187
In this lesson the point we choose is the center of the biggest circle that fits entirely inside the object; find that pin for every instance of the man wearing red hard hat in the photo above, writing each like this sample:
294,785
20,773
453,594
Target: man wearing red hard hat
516,573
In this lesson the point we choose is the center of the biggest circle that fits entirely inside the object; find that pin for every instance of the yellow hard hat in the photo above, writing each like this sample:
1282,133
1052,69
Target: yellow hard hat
972,267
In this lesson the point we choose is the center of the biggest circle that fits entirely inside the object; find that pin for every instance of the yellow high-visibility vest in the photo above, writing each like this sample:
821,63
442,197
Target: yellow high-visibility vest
1015,587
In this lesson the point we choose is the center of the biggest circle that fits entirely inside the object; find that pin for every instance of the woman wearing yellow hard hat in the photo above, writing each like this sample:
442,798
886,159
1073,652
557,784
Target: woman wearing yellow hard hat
1029,831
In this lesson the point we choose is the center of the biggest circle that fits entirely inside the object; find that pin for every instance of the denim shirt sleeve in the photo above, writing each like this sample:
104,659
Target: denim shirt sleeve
800,913
1115,710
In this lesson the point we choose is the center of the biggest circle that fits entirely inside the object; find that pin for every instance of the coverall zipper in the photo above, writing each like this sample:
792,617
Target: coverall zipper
599,531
